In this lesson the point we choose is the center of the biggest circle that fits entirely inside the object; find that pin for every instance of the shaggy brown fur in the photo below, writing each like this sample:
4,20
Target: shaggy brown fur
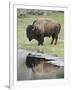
46,28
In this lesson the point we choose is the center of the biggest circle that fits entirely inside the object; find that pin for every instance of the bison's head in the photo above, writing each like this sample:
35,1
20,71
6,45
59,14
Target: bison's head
30,33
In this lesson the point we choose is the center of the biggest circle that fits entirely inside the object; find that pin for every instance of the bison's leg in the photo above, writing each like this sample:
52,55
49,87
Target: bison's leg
53,36
52,40
56,40
40,40
39,43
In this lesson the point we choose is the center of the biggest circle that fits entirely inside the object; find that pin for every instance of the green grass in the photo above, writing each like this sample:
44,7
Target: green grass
22,41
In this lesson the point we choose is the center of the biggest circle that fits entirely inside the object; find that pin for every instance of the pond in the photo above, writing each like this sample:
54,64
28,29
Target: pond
42,70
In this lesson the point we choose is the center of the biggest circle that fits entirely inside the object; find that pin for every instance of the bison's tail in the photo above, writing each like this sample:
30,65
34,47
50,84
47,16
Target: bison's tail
59,27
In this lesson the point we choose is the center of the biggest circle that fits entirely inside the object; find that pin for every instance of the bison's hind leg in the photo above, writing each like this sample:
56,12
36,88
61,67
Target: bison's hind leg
52,41
56,40
53,36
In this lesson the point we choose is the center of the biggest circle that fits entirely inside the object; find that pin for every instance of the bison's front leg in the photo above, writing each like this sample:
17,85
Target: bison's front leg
39,43
56,40
40,40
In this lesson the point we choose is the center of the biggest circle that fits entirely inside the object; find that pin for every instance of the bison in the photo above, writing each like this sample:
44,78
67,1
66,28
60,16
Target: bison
43,28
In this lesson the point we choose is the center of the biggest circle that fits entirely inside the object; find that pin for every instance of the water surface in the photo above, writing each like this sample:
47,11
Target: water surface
24,73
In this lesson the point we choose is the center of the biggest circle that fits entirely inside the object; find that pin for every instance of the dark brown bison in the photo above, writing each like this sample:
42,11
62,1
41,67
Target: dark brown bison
43,28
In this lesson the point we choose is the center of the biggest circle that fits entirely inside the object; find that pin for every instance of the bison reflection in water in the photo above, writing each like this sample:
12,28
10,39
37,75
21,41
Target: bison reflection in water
43,28
39,64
